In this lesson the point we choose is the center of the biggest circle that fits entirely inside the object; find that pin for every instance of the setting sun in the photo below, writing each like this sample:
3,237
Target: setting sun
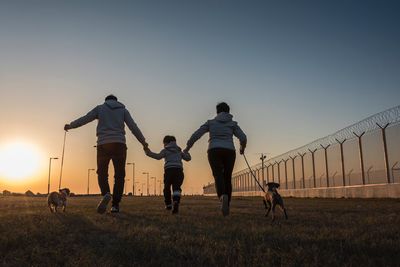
18,161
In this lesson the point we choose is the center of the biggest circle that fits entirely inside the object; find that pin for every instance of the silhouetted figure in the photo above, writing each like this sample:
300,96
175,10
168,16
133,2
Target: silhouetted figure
173,175
111,145
221,150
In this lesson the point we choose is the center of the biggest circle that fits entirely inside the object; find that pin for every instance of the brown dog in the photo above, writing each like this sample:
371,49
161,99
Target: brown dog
58,199
272,198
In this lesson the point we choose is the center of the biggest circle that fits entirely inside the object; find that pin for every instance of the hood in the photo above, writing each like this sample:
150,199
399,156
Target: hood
224,117
114,104
173,147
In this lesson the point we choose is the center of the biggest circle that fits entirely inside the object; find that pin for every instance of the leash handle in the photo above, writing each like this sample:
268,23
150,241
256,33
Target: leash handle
252,174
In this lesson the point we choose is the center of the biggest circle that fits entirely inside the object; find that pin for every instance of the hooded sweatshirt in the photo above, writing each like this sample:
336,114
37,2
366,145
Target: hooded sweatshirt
111,116
222,129
172,155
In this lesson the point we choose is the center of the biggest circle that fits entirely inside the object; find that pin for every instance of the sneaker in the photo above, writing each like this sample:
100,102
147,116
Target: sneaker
225,205
102,207
168,207
175,208
114,209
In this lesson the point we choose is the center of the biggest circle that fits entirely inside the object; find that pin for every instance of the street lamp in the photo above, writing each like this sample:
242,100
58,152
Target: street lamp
137,183
88,179
126,180
147,182
142,188
155,186
160,187
133,176
48,183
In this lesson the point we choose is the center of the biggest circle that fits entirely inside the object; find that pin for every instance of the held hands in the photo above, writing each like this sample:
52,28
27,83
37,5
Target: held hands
242,148
67,127
146,147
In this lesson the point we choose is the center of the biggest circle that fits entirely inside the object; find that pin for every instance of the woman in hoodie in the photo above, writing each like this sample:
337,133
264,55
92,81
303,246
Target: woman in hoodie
173,176
221,150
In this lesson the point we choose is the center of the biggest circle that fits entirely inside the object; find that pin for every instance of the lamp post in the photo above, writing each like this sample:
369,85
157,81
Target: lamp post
88,179
155,185
126,180
160,186
133,176
137,183
48,183
142,188
147,182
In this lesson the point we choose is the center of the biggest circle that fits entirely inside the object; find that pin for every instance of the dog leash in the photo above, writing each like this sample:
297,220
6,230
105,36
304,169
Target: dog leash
62,160
252,174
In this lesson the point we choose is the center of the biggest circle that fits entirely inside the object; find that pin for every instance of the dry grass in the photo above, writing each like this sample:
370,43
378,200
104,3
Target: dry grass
319,232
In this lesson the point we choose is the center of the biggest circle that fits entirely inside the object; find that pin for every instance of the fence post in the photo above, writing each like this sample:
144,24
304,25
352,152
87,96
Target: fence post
326,163
285,161
383,129
268,172
273,171
361,155
342,160
313,165
294,171
279,171
302,169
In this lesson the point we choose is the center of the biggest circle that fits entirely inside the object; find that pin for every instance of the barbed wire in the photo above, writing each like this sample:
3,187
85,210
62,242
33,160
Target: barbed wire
388,117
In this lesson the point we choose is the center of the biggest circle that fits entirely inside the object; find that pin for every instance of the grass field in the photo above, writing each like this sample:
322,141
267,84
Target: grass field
319,232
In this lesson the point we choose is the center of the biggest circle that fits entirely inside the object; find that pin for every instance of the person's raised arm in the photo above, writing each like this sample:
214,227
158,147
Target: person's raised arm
197,135
90,116
237,131
134,128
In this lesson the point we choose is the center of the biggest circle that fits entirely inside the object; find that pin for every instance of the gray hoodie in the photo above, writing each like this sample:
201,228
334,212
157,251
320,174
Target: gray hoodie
111,116
221,129
172,154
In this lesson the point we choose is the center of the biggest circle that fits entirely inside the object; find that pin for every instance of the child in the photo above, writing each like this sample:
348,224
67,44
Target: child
173,174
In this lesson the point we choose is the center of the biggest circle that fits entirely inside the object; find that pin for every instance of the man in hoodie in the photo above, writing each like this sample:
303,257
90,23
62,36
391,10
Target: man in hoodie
111,145
221,150
173,176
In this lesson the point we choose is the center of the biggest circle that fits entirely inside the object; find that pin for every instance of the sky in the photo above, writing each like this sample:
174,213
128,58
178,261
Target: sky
292,72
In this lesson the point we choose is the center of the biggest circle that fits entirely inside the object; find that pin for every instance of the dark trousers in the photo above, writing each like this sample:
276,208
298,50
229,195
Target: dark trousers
116,152
222,161
173,177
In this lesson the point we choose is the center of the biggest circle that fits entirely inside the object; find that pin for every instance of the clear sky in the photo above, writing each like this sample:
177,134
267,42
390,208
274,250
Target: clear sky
292,71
